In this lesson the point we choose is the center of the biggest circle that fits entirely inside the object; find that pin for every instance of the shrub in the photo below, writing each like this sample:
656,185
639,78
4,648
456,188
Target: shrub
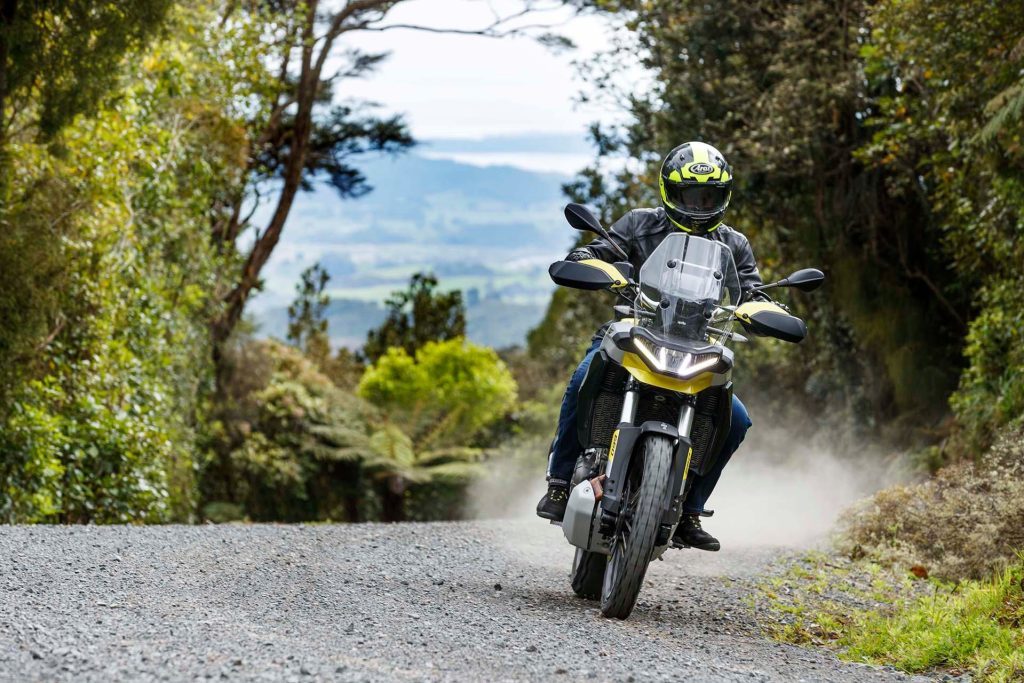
965,522
444,396
287,441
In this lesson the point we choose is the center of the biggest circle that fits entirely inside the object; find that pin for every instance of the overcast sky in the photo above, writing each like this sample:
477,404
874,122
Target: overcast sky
470,86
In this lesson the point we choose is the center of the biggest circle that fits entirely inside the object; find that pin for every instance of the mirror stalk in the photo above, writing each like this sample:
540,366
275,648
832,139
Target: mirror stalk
608,238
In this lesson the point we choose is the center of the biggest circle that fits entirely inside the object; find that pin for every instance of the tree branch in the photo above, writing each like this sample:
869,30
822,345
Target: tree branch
315,51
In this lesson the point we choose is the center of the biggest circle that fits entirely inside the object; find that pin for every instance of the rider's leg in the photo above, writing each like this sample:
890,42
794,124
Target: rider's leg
689,531
566,447
703,486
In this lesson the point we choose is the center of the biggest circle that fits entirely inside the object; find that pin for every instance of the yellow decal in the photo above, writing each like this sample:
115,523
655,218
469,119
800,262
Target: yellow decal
745,311
686,470
702,171
608,269
611,449
701,152
675,177
642,373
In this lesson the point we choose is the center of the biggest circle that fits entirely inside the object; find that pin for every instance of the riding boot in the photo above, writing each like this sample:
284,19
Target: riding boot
552,505
689,533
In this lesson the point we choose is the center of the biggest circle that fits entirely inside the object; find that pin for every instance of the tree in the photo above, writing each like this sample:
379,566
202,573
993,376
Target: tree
293,441
433,405
957,141
418,315
391,458
105,267
300,135
42,45
445,394
307,321
780,87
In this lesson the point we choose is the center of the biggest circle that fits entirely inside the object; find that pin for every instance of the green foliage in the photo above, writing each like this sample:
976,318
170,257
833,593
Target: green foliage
875,616
293,440
392,459
444,395
855,139
391,454
416,316
307,320
104,349
973,182
43,48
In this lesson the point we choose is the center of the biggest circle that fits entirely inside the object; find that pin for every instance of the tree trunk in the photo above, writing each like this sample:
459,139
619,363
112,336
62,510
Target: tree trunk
352,507
306,91
392,496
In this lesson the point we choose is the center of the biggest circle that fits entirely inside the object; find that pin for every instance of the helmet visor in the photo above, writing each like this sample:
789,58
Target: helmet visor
697,198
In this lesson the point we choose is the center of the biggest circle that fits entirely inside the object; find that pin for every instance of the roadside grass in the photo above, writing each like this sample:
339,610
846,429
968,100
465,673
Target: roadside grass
877,615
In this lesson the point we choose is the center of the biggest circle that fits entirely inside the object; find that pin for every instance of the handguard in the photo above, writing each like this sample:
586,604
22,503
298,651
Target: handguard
768,319
587,274
618,281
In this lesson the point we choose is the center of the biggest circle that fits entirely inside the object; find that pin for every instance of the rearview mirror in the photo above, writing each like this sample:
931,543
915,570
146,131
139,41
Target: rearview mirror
580,218
806,280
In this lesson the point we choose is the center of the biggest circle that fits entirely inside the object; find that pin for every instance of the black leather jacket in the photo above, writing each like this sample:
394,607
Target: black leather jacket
640,231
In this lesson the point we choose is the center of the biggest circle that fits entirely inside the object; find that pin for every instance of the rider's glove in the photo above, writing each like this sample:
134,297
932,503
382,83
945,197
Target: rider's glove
581,254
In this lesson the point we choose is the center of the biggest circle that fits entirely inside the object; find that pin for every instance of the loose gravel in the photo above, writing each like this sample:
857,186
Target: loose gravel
440,602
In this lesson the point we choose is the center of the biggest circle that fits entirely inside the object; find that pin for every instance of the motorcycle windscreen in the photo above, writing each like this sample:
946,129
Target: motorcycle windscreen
683,283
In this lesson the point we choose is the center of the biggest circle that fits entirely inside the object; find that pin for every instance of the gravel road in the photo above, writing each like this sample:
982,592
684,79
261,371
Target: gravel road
483,601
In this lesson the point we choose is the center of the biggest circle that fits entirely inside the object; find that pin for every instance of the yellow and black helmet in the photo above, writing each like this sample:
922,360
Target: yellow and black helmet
696,185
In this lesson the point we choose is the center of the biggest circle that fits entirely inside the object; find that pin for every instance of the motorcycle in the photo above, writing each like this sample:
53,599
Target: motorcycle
656,404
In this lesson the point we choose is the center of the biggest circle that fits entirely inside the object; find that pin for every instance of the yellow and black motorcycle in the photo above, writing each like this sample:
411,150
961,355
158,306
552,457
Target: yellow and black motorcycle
656,403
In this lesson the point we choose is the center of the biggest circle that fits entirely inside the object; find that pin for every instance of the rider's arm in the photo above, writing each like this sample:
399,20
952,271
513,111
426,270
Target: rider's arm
600,249
746,267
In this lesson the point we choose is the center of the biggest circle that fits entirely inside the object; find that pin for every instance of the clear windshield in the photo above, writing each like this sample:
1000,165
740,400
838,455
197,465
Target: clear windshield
683,287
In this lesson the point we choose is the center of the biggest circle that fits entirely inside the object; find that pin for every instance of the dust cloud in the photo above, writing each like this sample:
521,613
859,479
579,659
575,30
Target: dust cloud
786,486
781,489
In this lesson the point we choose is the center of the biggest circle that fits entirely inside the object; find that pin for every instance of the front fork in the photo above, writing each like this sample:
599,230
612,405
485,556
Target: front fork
629,402
683,428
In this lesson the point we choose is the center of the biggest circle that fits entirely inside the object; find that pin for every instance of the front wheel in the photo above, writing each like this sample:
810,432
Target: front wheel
637,528
588,574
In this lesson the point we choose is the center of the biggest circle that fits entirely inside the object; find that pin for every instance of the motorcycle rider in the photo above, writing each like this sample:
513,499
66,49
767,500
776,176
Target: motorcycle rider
696,185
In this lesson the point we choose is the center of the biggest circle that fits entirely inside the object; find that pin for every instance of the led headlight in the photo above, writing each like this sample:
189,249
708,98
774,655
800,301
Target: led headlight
682,364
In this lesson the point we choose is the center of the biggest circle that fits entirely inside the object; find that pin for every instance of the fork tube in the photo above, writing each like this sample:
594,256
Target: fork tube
629,403
686,420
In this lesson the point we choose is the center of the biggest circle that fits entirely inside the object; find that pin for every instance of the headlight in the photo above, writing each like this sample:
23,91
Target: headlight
682,364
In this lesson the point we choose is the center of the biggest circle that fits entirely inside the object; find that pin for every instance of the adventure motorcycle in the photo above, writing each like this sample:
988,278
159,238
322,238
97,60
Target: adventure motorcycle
656,403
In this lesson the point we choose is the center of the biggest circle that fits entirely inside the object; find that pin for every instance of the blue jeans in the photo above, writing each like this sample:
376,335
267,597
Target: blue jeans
566,448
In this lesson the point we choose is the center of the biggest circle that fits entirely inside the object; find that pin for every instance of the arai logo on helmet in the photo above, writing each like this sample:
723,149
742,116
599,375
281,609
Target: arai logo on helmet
701,169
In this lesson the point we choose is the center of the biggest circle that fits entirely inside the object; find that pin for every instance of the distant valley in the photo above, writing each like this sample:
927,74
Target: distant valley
488,230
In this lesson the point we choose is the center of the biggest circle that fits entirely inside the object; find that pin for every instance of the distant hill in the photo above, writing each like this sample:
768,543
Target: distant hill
492,323
490,231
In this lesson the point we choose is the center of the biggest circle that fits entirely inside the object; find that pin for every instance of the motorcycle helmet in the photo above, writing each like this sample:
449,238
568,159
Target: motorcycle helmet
696,185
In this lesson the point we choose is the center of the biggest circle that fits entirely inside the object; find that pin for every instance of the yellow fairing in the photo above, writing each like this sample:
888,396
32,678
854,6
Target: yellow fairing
609,270
744,311
642,373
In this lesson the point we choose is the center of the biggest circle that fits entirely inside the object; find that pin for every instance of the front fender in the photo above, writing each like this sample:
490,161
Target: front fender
624,444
